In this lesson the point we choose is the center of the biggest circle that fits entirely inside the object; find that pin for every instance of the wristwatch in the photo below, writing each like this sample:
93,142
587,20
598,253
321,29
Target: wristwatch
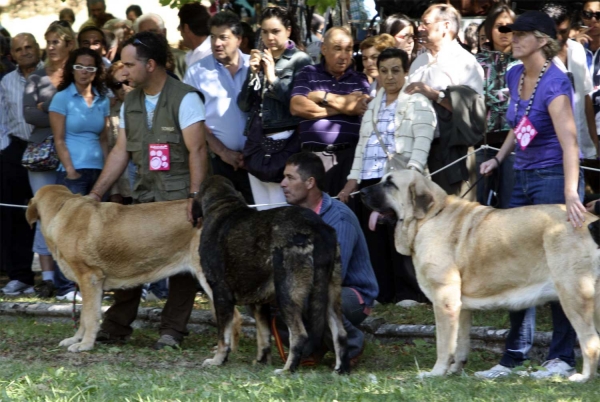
194,194
441,97
324,100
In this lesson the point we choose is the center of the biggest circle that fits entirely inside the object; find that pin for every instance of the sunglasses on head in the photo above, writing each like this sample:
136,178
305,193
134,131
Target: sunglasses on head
588,15
90,69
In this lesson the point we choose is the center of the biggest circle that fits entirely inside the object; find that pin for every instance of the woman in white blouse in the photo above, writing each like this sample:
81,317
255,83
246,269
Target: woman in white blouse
406,124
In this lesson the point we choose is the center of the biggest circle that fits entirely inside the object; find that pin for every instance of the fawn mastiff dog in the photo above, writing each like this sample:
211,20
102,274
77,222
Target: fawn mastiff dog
105,246
471,257
288,255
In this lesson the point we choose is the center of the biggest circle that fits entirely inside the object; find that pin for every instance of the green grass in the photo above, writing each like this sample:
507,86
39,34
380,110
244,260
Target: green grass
34,368
424,315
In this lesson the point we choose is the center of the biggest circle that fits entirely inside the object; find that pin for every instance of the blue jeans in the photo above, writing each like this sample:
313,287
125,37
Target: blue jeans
82,186
534,187
38,180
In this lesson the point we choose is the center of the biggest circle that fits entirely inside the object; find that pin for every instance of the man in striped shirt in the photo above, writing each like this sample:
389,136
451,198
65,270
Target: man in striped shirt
331,98
16,237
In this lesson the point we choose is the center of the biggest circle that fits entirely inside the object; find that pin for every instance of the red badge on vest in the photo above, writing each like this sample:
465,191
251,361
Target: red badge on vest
159,158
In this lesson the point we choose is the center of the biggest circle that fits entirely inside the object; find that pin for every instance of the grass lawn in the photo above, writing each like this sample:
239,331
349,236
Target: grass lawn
34,368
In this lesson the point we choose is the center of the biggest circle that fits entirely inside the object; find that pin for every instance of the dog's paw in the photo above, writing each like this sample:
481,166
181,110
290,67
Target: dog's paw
69,341
578,377
281,372
80,347
211,362
427,374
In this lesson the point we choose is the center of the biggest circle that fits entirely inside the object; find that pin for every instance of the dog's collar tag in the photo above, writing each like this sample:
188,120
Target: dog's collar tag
159,157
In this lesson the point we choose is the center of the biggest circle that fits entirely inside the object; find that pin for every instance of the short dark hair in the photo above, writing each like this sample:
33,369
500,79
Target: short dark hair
149,45
558,12
137,10
66,14
196,16
316,23
308,165
90,28
394,53
229,19
491,18
68,77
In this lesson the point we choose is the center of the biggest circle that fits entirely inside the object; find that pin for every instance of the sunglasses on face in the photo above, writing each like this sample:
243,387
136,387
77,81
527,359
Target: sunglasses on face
588,15
79,67
119,84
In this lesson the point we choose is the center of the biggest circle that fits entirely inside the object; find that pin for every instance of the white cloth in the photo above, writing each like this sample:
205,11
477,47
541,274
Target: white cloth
452,65
266,193
577,65
198,53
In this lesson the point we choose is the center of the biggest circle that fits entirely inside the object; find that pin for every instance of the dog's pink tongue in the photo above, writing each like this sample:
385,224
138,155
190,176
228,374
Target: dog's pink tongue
373,220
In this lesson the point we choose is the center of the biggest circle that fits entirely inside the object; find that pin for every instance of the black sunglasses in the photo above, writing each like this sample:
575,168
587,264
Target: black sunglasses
119,84
588,15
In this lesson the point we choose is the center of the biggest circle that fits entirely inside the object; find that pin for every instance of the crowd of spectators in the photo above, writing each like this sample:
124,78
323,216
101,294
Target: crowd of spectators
130,119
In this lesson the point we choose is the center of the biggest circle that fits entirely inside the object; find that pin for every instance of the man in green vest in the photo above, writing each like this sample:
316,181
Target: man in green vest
162,130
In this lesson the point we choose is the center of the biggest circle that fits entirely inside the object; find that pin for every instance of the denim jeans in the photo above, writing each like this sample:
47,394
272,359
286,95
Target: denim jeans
38,180
534,187
82,186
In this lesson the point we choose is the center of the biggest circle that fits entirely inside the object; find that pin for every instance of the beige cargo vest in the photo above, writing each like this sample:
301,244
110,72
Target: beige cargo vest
150,185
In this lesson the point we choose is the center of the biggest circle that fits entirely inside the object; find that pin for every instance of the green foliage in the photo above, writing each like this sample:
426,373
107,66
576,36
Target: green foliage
34,369
321,5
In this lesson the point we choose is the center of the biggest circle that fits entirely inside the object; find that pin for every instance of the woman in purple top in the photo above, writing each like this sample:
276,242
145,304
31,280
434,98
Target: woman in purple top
546,171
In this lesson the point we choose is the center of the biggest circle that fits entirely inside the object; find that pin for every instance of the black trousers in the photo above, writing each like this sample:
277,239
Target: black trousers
395,272
16,237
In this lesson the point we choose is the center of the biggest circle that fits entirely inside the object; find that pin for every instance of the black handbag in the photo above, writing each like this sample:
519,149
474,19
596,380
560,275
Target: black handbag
265,158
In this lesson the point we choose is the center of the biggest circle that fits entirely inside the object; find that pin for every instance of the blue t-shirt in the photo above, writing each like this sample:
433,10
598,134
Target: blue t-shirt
544,150
83,126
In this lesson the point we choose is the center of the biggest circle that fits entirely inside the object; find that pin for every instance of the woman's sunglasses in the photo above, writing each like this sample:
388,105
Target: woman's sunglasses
79,67
588,15
119,84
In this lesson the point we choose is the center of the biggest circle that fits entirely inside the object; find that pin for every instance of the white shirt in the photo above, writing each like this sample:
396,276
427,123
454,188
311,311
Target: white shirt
12,121
452,65
198,53
577,65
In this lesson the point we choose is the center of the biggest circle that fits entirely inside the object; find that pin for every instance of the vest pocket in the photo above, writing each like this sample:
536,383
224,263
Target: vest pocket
175,145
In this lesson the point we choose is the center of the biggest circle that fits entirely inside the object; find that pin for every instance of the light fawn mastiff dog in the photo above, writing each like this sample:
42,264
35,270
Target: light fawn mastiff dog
471,257
106,245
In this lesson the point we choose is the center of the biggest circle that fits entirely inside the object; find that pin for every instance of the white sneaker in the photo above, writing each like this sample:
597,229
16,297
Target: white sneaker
16,287
554,367
498,371
70,296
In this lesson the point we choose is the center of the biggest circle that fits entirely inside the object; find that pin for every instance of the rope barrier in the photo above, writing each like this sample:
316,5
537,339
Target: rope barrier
483,147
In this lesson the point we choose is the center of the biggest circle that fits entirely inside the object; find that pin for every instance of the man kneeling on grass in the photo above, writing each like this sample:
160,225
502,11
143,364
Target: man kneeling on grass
302,182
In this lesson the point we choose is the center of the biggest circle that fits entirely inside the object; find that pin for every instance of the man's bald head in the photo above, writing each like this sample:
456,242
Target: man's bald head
25,50
335,32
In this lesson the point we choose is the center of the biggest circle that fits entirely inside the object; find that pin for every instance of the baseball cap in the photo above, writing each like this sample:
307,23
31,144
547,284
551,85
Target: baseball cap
532,21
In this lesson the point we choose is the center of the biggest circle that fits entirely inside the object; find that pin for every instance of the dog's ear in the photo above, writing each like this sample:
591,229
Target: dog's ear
421,197
196,211
31,214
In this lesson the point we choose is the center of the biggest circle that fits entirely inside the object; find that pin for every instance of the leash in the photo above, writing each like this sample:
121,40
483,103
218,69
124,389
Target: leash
74,315
472,186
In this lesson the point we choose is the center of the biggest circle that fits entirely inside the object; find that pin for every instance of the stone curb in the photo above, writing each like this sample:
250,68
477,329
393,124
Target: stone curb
201,321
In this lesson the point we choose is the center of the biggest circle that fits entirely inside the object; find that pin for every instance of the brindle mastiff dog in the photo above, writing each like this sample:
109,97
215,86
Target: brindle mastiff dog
285,255
105,246
470,257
